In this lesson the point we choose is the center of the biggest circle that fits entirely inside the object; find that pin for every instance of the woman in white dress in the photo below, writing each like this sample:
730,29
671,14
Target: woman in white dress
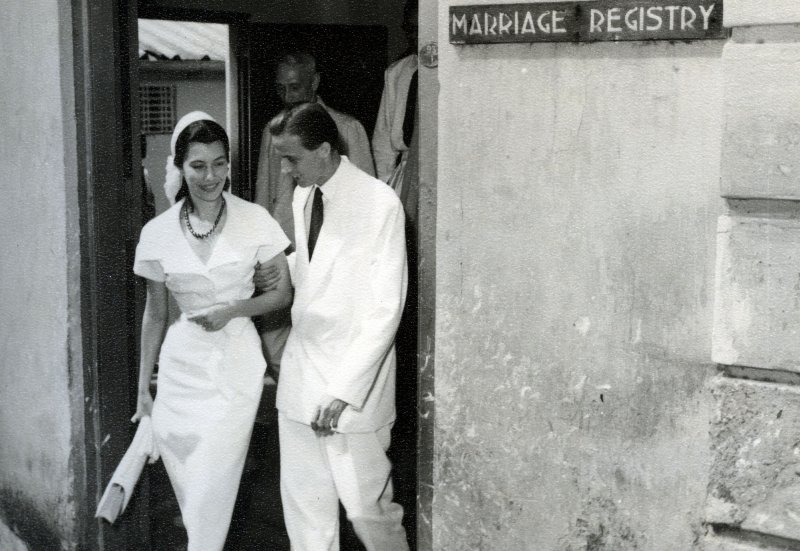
203,251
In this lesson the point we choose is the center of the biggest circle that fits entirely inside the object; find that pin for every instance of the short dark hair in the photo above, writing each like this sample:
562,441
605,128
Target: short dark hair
202,131
311,123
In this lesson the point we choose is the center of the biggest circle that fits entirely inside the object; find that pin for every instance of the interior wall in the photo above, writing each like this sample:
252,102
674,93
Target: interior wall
577,205
40,365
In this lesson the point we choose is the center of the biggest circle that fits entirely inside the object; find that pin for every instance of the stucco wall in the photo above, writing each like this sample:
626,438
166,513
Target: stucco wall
577,207
37,258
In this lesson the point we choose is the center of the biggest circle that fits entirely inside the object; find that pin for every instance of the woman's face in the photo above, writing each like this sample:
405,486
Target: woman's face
205,170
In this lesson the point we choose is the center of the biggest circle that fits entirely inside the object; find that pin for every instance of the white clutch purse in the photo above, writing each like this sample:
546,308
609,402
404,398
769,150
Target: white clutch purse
123,481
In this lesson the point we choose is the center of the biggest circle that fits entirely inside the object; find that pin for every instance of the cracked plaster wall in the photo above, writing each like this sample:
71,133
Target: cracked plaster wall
578,197
36,475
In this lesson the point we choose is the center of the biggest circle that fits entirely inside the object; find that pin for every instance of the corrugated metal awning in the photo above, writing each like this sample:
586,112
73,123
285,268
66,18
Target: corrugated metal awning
182,40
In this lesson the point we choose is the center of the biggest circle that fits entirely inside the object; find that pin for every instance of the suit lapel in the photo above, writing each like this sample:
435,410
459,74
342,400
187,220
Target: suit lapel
311,276
301,248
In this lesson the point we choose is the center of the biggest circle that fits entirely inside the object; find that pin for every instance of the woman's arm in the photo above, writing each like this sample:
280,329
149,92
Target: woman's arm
277,298
154,323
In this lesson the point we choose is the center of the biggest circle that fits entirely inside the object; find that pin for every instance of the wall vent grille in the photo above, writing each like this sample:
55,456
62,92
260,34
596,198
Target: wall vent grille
157,104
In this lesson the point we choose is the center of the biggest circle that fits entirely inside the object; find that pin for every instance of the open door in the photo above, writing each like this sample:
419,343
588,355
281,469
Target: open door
351,59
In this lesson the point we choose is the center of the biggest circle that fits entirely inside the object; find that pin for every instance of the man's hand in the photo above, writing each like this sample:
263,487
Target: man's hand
266,277
327,417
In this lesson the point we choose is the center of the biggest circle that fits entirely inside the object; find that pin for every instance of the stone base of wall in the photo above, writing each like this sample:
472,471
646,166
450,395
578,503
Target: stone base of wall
753,499
721,544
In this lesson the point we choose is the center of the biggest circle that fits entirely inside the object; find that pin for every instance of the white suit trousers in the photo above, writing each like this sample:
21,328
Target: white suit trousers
317,472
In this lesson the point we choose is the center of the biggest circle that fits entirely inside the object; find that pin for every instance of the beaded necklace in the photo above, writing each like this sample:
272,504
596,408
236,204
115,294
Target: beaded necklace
186,208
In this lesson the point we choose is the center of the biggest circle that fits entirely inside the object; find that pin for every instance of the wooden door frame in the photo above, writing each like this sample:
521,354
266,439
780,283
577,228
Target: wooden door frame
427,118
106,94
106,178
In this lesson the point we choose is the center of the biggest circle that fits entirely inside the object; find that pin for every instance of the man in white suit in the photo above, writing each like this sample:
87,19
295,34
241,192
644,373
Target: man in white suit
337,385
297,81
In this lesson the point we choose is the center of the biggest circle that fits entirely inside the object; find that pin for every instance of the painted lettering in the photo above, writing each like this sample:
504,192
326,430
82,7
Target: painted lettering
672,10
596,20
656,17
558,17
542,20
544,27
614,16
687,23
504,27
475,26
528,26
489,24
459,23
706,14
631,22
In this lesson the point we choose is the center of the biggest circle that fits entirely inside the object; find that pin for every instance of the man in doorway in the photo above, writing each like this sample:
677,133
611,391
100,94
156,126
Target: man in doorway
336,392
394,126
297,81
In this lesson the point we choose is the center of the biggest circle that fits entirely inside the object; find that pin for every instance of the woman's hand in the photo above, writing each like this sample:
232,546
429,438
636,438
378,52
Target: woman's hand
213,318
266,277
144,406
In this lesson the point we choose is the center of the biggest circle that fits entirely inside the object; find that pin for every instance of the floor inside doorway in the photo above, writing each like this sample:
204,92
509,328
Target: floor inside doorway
257,522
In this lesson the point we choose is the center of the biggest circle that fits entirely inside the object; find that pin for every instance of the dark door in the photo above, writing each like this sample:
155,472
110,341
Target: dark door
350,58
108,194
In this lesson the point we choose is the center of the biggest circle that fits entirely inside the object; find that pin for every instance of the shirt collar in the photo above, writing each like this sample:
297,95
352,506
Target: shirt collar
332,183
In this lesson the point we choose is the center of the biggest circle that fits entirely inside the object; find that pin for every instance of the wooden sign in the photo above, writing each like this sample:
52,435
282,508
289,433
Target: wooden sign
587,21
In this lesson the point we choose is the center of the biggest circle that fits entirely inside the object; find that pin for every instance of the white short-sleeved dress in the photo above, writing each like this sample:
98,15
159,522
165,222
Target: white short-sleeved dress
209,383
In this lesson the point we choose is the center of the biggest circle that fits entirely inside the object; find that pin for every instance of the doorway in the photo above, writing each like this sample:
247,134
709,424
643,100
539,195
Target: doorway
244,124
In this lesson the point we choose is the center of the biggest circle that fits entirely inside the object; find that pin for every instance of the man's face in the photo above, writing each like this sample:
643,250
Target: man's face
296,85
307,167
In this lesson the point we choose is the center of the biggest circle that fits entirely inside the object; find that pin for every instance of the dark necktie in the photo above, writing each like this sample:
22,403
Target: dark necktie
411,106
316,221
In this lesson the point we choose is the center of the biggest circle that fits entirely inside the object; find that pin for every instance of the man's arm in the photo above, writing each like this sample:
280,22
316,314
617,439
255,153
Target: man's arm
385,155
379,309
272,300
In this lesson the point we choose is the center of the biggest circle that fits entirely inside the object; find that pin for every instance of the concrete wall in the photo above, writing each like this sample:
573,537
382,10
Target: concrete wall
577,205
40,363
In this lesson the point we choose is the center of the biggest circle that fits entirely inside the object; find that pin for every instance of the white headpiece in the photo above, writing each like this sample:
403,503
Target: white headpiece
172,182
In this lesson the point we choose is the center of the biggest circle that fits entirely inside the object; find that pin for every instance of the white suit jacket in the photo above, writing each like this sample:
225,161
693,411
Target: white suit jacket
347,304
387,138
